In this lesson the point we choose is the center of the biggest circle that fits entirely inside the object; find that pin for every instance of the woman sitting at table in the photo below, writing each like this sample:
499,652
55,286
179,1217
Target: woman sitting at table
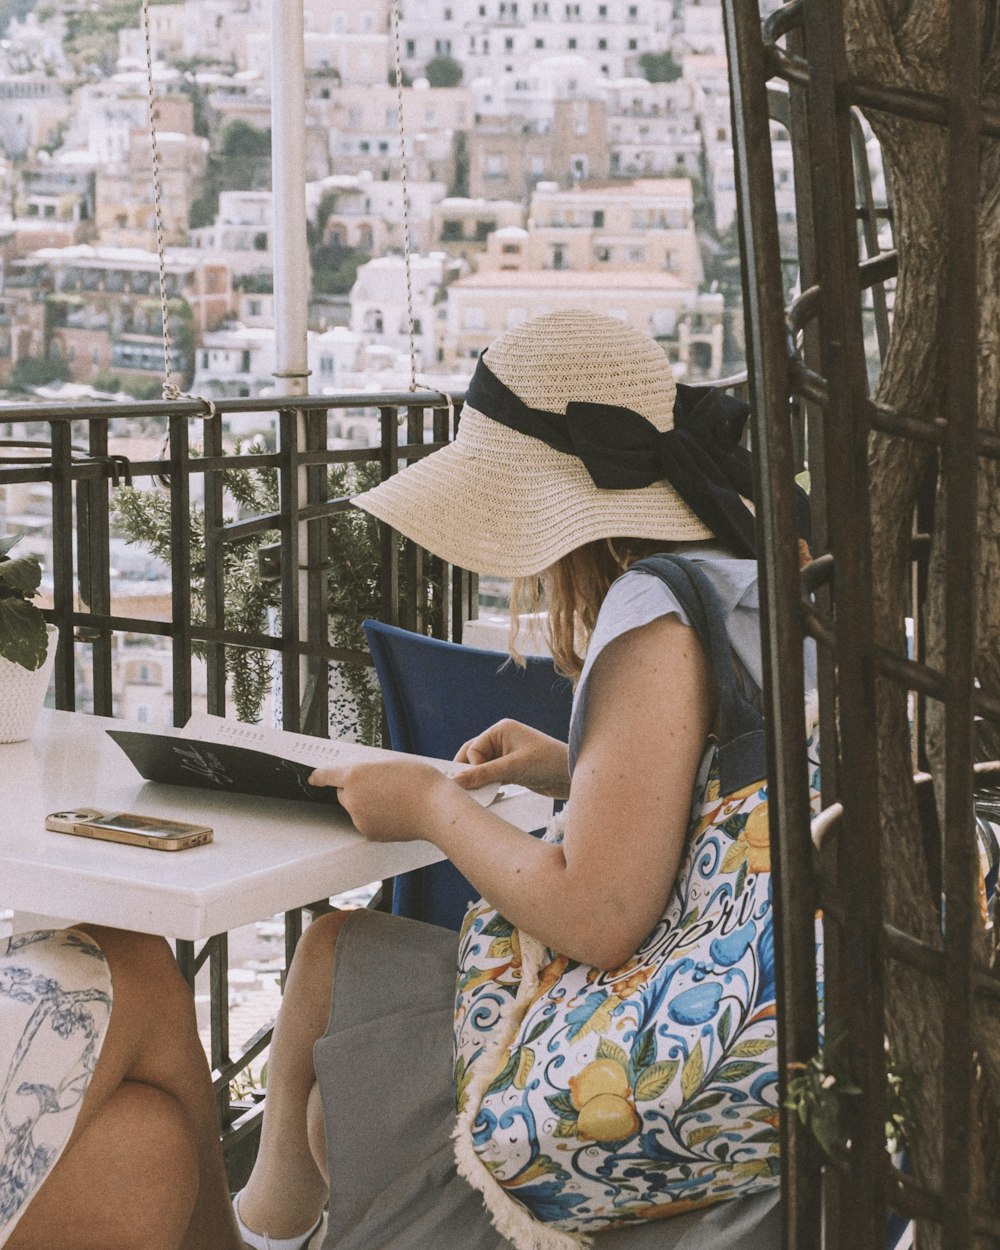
360,1109
108,1131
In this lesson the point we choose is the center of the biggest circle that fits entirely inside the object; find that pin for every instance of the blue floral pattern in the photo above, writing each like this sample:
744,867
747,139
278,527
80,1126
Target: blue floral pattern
55,1003
629,1095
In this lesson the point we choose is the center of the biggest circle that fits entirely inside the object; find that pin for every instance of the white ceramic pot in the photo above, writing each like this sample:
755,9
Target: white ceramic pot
22,693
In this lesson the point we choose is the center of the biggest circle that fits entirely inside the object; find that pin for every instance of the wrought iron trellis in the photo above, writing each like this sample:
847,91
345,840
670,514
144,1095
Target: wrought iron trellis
809,387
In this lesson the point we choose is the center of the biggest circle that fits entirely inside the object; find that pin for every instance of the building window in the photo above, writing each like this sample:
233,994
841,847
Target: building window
494,166
602,45
571,43
326,366
508,44
598,218
633,45
411,47
539,43
511,249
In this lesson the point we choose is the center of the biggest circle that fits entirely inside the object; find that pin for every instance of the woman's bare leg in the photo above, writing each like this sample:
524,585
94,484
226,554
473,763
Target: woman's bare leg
288,1188
129,1179
143,1166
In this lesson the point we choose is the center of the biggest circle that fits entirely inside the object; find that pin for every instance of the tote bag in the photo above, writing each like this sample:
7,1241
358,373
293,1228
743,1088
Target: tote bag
591,1099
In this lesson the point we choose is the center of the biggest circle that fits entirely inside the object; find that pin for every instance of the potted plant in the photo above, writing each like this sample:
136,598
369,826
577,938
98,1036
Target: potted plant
27,651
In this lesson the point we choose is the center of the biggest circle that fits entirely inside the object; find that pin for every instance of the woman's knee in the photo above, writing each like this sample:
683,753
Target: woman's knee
161,1164
316,946
129,1179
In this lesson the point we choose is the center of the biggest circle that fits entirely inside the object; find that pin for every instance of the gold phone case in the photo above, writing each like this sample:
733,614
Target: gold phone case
129,828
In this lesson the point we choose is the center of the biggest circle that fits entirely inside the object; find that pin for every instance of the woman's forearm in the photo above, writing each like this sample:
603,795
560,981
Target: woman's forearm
531,883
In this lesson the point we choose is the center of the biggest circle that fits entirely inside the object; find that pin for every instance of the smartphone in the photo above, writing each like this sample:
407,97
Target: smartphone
128,827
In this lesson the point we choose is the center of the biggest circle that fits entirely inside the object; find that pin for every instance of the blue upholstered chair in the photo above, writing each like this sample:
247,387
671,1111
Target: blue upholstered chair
437,695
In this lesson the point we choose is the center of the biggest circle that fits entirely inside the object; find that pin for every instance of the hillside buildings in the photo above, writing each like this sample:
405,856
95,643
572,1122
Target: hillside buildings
581,152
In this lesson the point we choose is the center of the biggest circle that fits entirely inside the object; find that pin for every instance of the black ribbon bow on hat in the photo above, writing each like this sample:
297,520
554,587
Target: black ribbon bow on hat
701,457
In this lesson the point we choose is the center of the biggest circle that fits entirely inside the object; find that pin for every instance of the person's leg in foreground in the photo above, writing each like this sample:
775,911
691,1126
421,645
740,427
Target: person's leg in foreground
287,1190
143,1166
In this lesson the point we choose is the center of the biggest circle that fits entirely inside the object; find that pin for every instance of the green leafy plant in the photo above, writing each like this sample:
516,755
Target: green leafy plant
900,1117
23,635
818,1092
353,586
659,66
143,516
443,71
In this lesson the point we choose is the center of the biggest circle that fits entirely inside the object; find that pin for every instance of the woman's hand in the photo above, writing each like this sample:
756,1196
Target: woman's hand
396,800
509,752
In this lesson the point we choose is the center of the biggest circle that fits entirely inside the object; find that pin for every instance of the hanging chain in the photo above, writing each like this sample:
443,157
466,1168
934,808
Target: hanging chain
404,178
170,389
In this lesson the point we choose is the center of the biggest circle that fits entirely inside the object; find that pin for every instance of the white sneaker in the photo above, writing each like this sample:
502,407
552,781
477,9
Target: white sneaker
317,1236
260,1241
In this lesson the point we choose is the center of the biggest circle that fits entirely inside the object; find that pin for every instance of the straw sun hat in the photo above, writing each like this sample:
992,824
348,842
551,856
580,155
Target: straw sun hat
504,502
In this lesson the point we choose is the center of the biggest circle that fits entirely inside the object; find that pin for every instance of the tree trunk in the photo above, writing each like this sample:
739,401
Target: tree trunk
901,44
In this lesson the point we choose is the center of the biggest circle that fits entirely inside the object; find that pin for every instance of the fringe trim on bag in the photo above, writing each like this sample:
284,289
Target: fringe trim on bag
509,1217
812,712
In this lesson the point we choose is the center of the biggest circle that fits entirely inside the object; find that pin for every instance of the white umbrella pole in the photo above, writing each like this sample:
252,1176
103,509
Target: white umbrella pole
291,257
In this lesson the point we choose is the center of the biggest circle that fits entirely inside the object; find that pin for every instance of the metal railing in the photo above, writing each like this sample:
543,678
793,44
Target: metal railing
66,447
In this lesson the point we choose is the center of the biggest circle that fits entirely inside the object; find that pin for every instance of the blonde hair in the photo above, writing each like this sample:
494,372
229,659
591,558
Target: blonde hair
572,591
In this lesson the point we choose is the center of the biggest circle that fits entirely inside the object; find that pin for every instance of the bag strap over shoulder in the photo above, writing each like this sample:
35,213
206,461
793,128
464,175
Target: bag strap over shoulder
742,758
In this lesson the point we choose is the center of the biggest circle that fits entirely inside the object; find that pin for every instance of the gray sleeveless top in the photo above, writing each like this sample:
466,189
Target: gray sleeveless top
635,599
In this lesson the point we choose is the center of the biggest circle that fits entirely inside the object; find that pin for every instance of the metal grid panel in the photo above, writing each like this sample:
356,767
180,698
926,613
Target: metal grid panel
827,368
81,477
